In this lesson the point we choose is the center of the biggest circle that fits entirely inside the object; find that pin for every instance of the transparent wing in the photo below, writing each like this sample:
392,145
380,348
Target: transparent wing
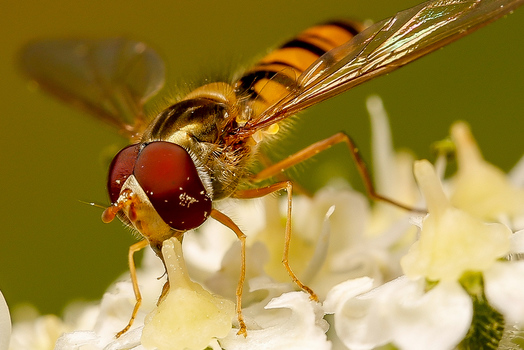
382,48
110,78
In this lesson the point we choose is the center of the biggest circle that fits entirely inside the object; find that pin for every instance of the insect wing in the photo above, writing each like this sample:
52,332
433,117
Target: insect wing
382,48
111,78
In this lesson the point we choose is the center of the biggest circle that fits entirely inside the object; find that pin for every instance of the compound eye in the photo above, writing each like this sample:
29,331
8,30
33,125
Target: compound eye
168,176
120,169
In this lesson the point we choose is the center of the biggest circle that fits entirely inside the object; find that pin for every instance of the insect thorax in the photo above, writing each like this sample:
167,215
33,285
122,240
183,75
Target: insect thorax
200,123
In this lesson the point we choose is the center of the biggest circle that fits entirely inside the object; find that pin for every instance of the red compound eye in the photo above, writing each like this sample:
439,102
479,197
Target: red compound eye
121,168
168,176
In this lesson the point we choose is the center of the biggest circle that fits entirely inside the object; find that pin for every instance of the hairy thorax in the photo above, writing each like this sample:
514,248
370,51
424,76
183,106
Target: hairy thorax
199,123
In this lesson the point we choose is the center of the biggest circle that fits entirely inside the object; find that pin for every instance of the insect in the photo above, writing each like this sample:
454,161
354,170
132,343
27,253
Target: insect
202,148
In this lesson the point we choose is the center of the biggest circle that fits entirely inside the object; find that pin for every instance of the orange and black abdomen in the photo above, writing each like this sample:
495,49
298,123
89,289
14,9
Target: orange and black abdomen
268,80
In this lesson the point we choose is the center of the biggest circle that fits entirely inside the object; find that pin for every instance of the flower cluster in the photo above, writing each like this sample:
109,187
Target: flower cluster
451,278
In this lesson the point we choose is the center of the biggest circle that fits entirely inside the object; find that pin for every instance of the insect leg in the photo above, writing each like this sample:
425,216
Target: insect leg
226,221
132,269
260,192
266,162
320,146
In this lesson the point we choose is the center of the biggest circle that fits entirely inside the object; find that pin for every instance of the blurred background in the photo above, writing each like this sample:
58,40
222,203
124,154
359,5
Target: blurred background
55,249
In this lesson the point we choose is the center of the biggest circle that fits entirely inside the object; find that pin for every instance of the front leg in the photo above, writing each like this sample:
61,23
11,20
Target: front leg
226,221
132,269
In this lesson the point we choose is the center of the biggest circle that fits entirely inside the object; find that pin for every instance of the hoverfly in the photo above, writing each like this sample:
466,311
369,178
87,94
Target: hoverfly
201,149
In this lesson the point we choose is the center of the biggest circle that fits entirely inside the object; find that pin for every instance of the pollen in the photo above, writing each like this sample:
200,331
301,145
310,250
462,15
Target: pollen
186,200
272,129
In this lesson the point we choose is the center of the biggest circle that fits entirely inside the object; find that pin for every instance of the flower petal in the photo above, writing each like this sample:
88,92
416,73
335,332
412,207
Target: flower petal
517,242
480,188
393,170
452,241
359,322
437,319
344,291
297,324
401,312
39,333
504,283
77,340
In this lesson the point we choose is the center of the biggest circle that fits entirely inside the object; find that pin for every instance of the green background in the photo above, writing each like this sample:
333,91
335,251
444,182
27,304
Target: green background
54,249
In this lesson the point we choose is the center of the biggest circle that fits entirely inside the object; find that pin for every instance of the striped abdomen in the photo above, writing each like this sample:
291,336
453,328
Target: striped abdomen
268,81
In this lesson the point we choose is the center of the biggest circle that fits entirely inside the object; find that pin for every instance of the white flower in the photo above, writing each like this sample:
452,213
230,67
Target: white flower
399,312
94,326
33,331
433,306
479,187
452,242
289,321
